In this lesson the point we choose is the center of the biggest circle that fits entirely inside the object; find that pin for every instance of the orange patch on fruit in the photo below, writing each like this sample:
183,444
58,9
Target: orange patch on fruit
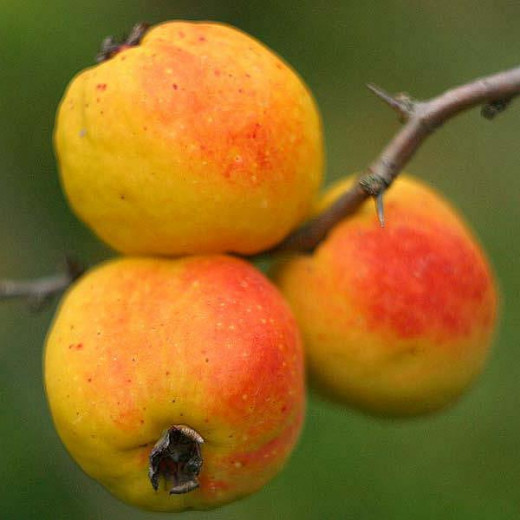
227,115
416,277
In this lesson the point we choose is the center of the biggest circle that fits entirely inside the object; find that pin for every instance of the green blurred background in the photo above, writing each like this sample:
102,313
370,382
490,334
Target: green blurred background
462,463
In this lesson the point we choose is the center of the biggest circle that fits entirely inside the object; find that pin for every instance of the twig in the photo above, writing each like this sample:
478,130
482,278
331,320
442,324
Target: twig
39,291
494,93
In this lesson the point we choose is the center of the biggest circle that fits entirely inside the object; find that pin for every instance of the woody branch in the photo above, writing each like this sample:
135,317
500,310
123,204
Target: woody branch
421,119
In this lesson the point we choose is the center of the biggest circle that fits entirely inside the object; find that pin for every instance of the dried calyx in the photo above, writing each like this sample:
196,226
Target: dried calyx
110,46
177,458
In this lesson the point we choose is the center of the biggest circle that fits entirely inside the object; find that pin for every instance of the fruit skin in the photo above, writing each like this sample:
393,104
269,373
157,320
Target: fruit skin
398,320
198,140
141,344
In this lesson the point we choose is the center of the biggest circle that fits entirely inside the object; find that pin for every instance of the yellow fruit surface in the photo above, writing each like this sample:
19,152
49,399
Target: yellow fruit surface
139,345
197,140
396,320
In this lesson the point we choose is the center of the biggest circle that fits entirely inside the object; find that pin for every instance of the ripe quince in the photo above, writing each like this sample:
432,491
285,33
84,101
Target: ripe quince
397,320
197,139
177,384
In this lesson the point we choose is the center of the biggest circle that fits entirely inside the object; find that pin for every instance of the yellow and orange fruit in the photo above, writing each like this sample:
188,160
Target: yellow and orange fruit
198,140
396,320
140,345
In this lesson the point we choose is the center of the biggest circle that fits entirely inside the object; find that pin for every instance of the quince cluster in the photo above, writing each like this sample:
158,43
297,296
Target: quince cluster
175,373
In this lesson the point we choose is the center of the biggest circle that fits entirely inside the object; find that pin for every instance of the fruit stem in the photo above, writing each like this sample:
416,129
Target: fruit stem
177,457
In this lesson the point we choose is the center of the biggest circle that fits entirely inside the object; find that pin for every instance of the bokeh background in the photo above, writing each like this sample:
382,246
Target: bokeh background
460,464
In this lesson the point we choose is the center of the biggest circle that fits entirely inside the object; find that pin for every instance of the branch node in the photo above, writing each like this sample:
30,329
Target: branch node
491,110
373,184
402,103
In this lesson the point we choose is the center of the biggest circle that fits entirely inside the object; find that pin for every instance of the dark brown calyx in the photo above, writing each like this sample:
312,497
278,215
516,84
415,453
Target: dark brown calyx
177,458
110,46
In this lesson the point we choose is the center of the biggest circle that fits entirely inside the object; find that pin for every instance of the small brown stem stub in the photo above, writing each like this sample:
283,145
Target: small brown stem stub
110,46
177,458
137,33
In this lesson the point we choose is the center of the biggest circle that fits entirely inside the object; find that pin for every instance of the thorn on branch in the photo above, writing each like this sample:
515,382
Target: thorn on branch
493,92
375,186
491,110
402,103
380,210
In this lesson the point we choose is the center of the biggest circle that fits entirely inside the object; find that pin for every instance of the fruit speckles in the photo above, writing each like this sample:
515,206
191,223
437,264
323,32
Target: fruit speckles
416,278
163,360
210,120
231,127
212,486
76,346
397,320
269,450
